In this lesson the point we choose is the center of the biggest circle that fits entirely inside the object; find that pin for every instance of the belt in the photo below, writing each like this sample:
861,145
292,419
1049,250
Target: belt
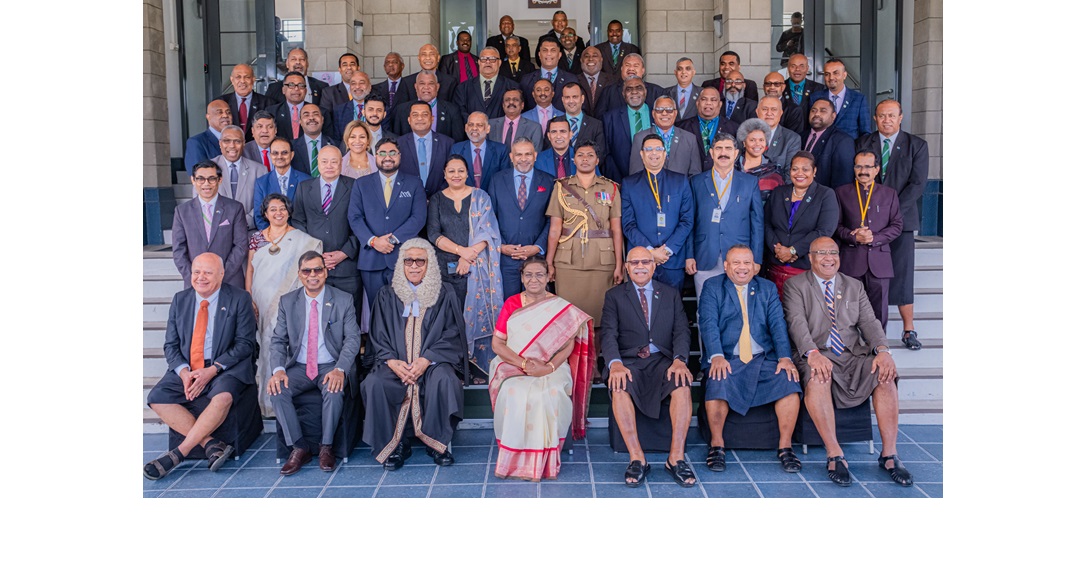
591,234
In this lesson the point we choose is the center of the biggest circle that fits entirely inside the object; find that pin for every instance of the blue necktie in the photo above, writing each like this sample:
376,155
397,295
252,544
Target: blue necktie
423,160
573,128
730,108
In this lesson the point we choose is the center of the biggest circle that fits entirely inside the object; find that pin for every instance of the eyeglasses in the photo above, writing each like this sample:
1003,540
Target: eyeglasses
830,252
774,83
662,109
280,153
634,89
736,82
410,262
307,272
295,85
864,167
387,153
653,149
489,59
530,276
211,180
639,262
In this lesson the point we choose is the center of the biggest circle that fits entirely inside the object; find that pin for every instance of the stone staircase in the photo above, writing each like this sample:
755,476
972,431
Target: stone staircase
921,390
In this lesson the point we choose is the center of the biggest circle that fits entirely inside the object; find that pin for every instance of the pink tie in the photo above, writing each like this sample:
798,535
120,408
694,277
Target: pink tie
207,219
312,342
477,166
295,122
543,119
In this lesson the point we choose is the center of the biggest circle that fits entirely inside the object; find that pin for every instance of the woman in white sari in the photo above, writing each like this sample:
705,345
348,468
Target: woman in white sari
271,272
541,379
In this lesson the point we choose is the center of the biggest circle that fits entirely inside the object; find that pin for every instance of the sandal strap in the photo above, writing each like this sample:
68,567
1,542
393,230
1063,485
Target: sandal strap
837,458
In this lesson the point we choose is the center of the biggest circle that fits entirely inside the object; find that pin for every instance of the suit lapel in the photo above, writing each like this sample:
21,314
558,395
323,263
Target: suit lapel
223,304
805,201
396,192
296,330
635,298
327,311
215,223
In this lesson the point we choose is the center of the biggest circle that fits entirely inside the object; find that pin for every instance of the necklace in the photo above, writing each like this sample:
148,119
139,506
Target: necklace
274,249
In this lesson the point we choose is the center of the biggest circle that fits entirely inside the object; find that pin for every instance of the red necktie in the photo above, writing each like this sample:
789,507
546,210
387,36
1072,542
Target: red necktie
561,160
522,194
295,123
644,304
243,114
477,166
266,159
198,338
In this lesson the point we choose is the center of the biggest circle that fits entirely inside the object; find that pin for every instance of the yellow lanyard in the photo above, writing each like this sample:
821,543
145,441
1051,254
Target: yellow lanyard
725,188
863,207
654,187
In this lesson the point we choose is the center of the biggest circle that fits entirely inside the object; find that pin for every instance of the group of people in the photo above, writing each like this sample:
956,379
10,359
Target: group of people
423,220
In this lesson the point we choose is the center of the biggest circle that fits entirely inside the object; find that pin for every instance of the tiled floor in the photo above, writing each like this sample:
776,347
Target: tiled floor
593,471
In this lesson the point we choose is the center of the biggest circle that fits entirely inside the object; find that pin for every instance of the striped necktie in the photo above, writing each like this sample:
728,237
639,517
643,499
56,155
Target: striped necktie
835,342
884,156
314,158
326,200
423,159
312,340
574,128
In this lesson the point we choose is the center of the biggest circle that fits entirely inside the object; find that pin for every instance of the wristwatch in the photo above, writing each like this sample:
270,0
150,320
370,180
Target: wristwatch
882,349
220,367
794,252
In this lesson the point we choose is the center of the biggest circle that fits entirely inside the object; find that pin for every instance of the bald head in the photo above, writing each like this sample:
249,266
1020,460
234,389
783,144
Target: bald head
773,84
207,272
218,114
242,79
329,162
640,265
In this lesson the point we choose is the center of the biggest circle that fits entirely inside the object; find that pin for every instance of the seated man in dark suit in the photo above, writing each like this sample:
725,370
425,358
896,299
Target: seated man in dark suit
313,120
519,198
461,63
283,179
842,356
745,342
210,223
614,49
207,144
645,339
297,62
514,66
208,345
314,345
500,42
832,148
485,157
418,337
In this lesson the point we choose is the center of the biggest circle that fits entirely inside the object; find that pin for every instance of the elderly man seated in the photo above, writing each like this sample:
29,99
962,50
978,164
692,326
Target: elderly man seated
646,343
418,335
745,339
843,356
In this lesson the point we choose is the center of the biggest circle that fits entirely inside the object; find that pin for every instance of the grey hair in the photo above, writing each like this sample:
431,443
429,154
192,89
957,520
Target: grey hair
523,139
428,291
233,127
423,72
750,125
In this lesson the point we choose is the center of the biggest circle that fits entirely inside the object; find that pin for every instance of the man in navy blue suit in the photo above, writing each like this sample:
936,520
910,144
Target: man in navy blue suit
832,148
852,110
519,198
283,174
387,208
558,159
485,157
657,212
619,128
207,144
728,211
484,93
423,152
351,109
745,341
313,139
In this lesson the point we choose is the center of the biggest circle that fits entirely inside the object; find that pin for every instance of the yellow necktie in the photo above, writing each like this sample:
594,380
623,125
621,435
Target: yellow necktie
387,190
745,348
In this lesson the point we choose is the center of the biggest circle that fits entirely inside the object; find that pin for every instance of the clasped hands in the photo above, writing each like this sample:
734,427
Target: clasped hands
409,373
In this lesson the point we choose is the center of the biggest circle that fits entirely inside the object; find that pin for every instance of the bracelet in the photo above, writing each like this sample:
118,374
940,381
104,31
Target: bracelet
550,365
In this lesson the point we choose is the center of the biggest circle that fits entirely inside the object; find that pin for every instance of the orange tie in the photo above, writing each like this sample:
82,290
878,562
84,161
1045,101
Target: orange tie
198,339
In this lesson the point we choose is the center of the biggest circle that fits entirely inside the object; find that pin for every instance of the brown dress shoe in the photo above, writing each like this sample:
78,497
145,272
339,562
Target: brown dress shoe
326,460
296,459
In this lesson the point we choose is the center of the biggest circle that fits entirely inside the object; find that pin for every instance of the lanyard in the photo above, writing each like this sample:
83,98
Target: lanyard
864,207
725,188
654,187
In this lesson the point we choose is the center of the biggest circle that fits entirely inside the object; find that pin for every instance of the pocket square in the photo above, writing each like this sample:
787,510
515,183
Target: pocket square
225,222
406,194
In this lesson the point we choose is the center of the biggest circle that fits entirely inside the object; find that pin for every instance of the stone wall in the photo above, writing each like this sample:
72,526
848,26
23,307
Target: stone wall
927,109
671,29
155,112
328,31
747,31
401,26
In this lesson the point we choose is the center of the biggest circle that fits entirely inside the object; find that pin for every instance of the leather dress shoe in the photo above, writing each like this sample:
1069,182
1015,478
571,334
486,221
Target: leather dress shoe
295,461
397,459
326,459
442,459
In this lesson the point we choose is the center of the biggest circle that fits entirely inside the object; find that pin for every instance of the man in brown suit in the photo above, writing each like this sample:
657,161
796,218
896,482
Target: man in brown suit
842,355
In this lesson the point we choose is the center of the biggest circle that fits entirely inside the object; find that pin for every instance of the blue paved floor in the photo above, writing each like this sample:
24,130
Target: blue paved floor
594,471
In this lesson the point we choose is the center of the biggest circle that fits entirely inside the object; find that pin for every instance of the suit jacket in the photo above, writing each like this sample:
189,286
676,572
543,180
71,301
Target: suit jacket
603,81
612,98
256,103
469,97
743,109
448,64
692,125
639,220
334,95
834,154
545,161
448,119
410,161
793,118
500,43
690,109
784,145
331,228
562,78
684,157
314,88
524,66
253,152
530,225
496,158
233,337
447,84
382,89
817,216
301,160
907,172
268,184
607,53
201,147
882,216
338,326
807,89
343,113
282,115
742,221
565,64
533,115
524,127
851,118
228,238
619,137
369,216
551,34
721,318
591,129
625,331
750,91
809,323
248,171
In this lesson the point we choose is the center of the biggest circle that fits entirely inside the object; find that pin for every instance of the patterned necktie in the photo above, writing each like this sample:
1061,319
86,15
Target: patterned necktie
282,184
835,103
592,89
522,194
314,159
745,347
835,342
884,156
326,198
644,306
615,53
730,108
423,160
295,122
207,218
549,76
359,110
796,95
312,342
561,160
486,90
812,141
387,190
477,167
507,138
682,102
393,92
234,178
543,119
266,159
574,128
243,114
638,125
198,338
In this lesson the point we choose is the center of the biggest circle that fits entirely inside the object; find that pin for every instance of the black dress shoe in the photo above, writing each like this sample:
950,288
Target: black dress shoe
398,457
442,459
910,340
899,474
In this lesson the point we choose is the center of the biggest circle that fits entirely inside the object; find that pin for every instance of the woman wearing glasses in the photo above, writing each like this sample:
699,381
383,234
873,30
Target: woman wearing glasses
271,272
794,216
541,379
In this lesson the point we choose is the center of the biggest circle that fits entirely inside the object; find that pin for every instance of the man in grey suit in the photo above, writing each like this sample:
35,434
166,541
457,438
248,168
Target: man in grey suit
263,131
210,223
783,142
508,128
684,92
842,356
314,345
239,172
683,148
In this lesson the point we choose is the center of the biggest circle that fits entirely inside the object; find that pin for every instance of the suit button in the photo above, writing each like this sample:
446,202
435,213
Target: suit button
387,217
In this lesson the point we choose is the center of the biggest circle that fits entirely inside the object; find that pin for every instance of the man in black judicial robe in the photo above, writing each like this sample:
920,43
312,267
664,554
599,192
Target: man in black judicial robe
417,330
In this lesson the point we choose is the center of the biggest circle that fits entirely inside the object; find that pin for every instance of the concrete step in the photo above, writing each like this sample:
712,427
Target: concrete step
161,285
927,357
928,276
928,256
927,324
921,384
156,308
153,363
153,334
168,236
930,302
158,262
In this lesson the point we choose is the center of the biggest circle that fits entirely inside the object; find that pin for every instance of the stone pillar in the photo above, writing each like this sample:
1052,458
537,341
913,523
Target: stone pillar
671,29
401,26
927,109
747,30
156,164
328,32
